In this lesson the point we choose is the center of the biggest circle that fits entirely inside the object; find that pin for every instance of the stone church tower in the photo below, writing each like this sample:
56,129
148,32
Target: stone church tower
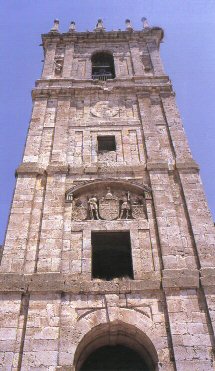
108,259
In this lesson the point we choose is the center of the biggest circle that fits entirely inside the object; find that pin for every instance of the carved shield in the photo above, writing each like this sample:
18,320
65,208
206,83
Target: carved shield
138,212
109,208
79,213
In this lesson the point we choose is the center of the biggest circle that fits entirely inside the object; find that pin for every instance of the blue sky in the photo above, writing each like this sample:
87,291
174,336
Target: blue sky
188,54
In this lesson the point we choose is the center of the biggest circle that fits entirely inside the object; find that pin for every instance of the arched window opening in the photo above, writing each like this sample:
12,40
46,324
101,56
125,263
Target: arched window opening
115,346
115,357
103,66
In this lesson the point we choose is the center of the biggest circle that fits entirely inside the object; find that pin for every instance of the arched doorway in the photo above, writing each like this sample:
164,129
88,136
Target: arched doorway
114,358
113,347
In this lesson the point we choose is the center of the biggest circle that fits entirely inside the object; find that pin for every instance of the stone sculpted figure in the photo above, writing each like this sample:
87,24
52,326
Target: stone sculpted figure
125,207
93,206
58,66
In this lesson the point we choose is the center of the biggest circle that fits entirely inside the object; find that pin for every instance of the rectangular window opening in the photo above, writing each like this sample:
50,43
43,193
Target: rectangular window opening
111,255
106,143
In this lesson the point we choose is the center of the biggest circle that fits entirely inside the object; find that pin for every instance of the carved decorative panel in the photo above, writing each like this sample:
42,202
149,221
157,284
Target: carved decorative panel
107,204
104,109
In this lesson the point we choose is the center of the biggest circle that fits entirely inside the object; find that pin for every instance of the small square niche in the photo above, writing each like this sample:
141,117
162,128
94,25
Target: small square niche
106,143
111,255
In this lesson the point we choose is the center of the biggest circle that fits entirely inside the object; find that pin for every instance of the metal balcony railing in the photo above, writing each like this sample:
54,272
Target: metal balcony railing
102,76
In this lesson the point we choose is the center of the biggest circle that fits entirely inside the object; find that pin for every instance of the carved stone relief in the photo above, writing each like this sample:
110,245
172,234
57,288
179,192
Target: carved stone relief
131,182
58,65
103,109
93,207
49,120
108,205
98,107
79,209
138,209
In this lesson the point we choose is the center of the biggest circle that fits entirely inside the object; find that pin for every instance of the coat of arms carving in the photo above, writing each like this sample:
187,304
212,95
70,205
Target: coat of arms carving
117,205
138,211
109,206
103,109
79,210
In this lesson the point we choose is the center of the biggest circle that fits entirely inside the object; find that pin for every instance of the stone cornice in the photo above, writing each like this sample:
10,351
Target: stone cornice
149,34
187,165
137,80
58,282
79,284
208,277
157,165
30,168
141,86
180,278
59,168
96,168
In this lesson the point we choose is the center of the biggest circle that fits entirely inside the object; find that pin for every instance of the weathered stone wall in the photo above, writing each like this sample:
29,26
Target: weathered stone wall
190,331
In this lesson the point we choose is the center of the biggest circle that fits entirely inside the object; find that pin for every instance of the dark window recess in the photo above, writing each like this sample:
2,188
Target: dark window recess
103,66
106,143
117,357
111,255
